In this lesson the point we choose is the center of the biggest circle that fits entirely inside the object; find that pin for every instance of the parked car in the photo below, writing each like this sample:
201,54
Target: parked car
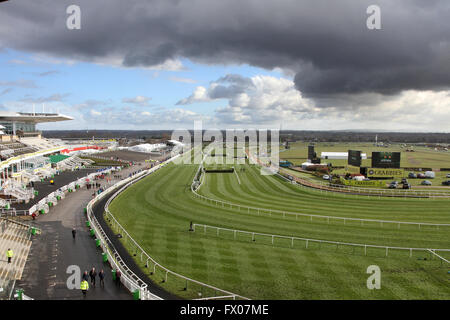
430,174
421,176
326,177
406,186
426,183
393,185
412,175
448,175
404,180
446,183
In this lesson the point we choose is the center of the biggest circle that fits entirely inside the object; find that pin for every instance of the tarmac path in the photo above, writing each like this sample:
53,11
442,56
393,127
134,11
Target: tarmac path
52,252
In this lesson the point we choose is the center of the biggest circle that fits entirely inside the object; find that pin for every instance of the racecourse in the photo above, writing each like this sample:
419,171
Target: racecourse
157,211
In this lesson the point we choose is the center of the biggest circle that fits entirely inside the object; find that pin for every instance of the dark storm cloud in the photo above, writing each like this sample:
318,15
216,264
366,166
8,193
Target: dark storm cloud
229,86
325,43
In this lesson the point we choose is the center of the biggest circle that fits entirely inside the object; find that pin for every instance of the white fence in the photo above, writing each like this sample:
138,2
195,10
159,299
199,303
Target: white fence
307,241
149,261
128,278
132,281
284,213
328,219
370,192
53,197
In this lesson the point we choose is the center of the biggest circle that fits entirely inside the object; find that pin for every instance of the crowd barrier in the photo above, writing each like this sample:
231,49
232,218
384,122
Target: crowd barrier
242,208
307,241
144,256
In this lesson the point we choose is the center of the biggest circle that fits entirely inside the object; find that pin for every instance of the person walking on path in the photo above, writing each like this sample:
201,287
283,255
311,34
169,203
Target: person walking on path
118,274
85,276
93,274
9,255
101,275
74,233
84,286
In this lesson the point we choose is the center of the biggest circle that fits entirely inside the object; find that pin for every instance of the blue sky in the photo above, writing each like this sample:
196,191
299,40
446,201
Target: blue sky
60,84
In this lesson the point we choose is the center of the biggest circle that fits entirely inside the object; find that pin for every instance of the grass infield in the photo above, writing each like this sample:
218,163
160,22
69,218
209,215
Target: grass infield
157,211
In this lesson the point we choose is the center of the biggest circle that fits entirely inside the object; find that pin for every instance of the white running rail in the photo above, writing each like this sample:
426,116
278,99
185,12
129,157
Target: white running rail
125,184
235,232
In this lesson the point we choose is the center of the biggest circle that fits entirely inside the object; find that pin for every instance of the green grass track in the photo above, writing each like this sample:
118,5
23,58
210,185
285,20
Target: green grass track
157,211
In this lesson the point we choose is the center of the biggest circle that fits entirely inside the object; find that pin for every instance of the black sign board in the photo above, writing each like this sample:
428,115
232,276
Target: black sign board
385,159
354,158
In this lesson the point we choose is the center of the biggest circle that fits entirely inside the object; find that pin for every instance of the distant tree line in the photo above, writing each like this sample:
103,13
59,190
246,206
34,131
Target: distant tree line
150,136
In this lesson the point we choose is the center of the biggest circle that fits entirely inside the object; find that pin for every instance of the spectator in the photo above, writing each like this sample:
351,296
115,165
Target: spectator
101,275
9,255
118,275
84,286
93,274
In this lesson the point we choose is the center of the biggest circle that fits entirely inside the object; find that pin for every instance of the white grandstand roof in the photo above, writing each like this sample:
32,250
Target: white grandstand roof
176,142
32,117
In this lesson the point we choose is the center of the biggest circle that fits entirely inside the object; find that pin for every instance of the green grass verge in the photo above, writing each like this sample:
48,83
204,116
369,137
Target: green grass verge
157,210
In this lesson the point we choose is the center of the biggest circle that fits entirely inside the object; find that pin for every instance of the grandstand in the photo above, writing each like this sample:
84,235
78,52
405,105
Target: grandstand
17,237
24,154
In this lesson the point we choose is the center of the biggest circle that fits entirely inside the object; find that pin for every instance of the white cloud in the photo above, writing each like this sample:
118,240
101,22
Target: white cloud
183,80
267,100
95,113
141,101
260,99
199,95
17,61
130,118
21,83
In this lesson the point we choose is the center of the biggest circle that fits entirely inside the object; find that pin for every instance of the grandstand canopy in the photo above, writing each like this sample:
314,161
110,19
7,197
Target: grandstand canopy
32,117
